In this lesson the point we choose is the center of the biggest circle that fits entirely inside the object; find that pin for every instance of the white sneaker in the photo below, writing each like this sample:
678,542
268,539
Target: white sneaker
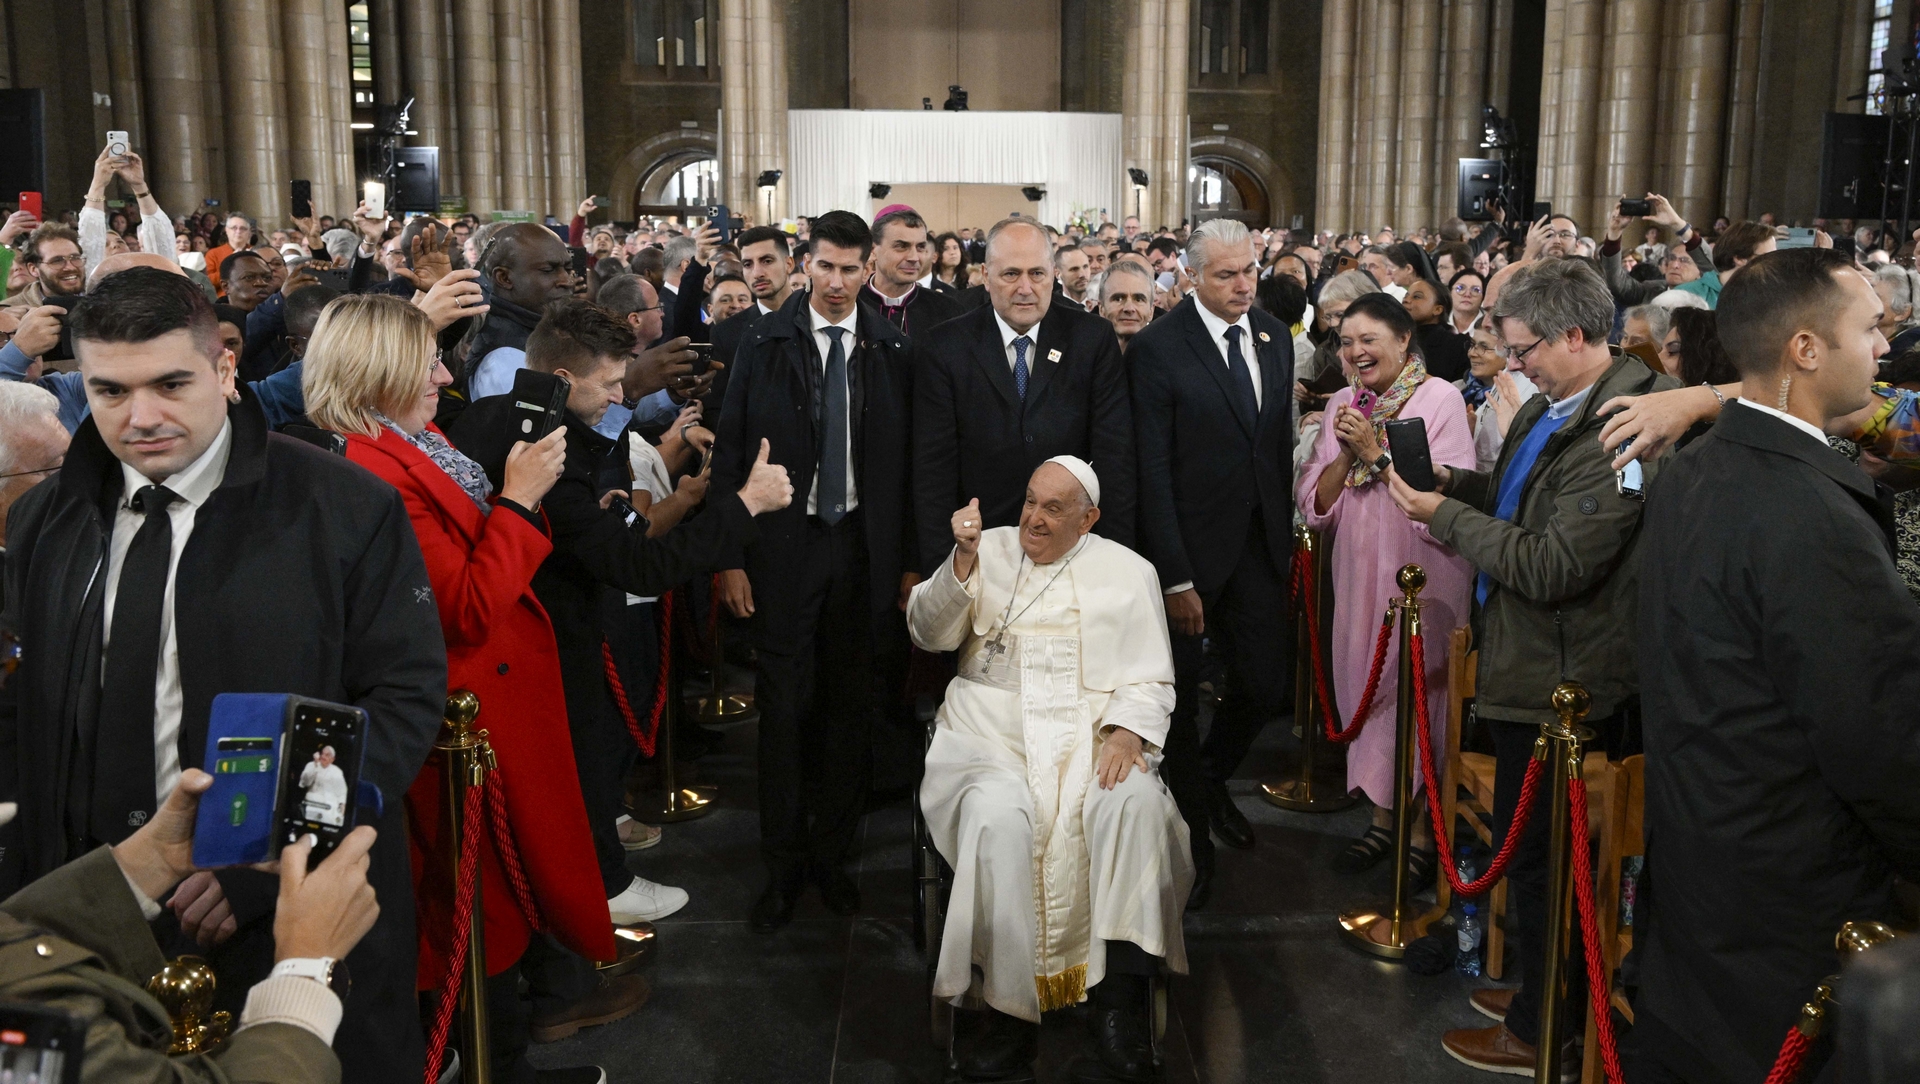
644,901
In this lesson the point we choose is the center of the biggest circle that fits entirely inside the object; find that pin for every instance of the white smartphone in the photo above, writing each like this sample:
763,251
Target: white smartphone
116,144
375,195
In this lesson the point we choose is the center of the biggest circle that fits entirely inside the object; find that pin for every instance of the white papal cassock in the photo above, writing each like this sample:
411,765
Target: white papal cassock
1047,865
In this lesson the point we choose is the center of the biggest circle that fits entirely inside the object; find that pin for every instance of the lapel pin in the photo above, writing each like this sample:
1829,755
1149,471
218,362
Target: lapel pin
1264,337
1053,356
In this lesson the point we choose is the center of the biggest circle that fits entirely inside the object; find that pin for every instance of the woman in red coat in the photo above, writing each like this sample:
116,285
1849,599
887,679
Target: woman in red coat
373,374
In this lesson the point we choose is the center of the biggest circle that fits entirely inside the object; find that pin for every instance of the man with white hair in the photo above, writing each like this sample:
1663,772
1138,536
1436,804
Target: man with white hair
1217,516
1042,785
32,443
1002,388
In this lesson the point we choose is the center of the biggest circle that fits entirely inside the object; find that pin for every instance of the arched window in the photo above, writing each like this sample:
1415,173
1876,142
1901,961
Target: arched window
682,181
1224,188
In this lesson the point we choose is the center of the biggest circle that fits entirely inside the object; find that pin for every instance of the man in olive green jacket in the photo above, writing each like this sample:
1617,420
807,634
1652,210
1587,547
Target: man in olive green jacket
77,940
1554,538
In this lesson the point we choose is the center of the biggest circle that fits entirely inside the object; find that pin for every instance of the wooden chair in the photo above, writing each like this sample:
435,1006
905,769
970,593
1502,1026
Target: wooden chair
1621,836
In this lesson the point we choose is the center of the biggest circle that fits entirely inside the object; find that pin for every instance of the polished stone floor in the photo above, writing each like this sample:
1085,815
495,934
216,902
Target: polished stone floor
1273,995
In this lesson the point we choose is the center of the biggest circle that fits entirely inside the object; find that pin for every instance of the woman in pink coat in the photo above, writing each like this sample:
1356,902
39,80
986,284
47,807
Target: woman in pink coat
1343,494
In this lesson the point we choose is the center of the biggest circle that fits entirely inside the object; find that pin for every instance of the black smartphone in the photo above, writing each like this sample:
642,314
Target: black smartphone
40,1044
1636,208
303,199
705,359
599,201
1407,443
538,400
720,218
320,774
579,263
1542,210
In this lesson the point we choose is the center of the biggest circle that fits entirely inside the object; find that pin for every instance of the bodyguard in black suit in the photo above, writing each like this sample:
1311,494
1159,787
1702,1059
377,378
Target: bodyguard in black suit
1211,386
827,384
1008,386
766,259
901,255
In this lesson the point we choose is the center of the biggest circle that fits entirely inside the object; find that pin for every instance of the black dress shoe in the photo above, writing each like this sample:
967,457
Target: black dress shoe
1202,890
774,908
990,1045
837,889
1228,822
1122,1036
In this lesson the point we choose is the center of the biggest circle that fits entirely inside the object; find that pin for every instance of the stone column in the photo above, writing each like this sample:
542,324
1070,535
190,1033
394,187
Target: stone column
253,100
1154,106
1363,150
1700,108
1382,78
1629,93
1547,145
1580,63
1334,185
753,101
383,21
510,56
769,48
1500,57
478,115
307,66
1736,176
1419,64
340,116
123,66
177,136
420,57
565,127
1466,92
540,177
1856,28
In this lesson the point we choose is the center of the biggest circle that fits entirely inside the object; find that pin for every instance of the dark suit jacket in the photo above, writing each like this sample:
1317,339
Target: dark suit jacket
974,437
727,336
1779,664
971,298
774,397
1204,467
924,309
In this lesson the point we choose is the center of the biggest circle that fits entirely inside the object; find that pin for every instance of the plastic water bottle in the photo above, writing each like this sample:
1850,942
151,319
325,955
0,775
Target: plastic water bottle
1468,959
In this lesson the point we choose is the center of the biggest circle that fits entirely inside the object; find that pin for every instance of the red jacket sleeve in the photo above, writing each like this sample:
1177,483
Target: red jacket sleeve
472,587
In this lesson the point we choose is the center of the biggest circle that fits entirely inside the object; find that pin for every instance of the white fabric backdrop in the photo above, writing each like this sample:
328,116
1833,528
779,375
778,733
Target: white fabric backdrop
837,153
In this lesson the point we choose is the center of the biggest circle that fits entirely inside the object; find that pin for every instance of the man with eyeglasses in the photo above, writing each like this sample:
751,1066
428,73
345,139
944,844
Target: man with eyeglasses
59,270
1554,533
32,443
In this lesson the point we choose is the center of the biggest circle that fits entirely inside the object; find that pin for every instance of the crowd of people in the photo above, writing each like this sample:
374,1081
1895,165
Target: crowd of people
1047,479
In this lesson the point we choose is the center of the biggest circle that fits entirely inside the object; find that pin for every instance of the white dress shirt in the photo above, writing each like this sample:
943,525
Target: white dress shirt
824,342
193,485
1007,335
1217,331
1801,424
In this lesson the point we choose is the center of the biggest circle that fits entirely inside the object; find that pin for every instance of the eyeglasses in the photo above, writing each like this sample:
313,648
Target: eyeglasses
28,473
1563,235
1464,289
1511,354
75,260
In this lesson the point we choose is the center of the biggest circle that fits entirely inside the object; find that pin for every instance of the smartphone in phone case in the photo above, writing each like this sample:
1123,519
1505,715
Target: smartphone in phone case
320,773
538,402
1412,460
1364,401
30,203
235,824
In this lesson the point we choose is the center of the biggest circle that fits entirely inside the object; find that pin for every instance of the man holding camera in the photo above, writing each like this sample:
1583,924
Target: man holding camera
76,942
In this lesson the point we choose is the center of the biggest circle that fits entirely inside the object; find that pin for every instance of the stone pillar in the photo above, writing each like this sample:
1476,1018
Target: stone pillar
1419,100
1500,57
565,127
1629,93
478,115
1333,189
383,20
253,101
1547,146
123,65
307,64
1154,106
420,57
1736,176
769,49
753,106
1466,93
340,116
1581,46
510,56
1856,28
1382,79
178,165
539,177
1700,108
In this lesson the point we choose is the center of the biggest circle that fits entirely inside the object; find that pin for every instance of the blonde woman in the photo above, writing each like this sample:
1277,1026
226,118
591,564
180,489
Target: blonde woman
373,374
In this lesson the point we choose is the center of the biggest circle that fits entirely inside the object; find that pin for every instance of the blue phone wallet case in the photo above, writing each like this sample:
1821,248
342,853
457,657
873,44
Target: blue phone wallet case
245,732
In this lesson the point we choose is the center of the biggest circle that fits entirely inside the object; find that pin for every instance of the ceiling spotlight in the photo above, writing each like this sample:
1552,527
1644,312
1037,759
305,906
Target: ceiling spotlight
956,99
878,190
1137,175
1034,193
770,177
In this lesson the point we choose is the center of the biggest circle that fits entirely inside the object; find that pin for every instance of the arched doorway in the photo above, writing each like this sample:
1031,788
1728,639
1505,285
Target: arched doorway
1223,188
679,185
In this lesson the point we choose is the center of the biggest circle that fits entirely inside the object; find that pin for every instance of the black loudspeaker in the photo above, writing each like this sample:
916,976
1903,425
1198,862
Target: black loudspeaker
1853,151
23,132
1480,181
416,180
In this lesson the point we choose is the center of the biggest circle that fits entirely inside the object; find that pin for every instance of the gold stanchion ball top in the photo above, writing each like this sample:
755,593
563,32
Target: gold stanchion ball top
1861,936
1571,700
462,709
1303,536
1413,579
184,988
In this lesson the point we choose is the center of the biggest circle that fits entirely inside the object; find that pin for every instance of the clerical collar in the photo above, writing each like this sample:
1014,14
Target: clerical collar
892,302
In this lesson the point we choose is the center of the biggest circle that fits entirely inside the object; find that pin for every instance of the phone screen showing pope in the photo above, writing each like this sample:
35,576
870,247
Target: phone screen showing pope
320,775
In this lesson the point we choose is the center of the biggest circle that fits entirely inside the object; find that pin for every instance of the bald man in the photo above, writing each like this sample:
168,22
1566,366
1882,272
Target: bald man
527,268
120,261
1008,386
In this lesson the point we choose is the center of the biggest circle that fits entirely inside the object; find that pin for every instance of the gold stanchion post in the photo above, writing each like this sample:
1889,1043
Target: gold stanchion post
1386,931
1560,743
674,803
1298,794
468,759
720,706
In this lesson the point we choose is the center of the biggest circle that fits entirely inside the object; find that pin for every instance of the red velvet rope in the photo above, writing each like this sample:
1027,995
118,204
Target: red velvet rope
1307,593
1793,1056
1599,983
1442,839
462,933
509,852
644,737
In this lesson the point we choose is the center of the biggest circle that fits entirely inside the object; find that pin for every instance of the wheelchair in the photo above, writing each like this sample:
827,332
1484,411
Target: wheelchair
932,884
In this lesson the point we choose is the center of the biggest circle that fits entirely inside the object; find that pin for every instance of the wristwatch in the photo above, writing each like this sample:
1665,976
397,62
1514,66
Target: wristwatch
1381,464
324,970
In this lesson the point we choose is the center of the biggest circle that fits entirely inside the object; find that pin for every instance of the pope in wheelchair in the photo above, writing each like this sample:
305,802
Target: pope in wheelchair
1042,788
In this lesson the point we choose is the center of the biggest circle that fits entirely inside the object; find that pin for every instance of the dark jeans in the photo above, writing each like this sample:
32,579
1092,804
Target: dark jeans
1248,620
817,704
1618,735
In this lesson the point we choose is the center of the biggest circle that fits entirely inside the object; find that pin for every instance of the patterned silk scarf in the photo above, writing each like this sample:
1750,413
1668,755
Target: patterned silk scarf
465,473
1404,385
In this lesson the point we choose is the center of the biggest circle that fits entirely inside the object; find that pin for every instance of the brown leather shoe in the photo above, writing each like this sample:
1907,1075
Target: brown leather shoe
1493,1049
605,1003
1494,1001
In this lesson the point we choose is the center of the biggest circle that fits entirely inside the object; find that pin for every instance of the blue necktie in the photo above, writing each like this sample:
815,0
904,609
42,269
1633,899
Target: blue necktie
1242,377
832,500
1020,347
